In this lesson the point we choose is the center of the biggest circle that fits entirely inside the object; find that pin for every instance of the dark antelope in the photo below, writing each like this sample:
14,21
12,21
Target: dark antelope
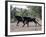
26,20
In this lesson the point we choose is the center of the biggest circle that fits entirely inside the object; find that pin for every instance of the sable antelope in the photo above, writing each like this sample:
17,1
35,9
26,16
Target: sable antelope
26,20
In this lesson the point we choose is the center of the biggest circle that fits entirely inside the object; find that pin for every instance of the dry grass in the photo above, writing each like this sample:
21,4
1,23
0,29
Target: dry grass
32,27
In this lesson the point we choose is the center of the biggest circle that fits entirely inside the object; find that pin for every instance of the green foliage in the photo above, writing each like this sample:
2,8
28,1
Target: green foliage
34,11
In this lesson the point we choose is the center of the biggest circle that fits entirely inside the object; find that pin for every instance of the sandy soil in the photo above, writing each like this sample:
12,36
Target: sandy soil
32,27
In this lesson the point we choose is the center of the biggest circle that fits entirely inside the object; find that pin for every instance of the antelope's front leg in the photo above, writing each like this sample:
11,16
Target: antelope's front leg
17,23
27,24
24,22
35,23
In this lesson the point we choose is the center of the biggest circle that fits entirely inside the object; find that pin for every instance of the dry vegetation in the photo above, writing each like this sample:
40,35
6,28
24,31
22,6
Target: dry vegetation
32,27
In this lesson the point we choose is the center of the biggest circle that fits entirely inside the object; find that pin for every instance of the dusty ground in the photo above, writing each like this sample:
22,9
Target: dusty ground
32,27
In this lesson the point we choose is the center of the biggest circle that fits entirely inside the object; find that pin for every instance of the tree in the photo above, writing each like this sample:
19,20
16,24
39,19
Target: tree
35,11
